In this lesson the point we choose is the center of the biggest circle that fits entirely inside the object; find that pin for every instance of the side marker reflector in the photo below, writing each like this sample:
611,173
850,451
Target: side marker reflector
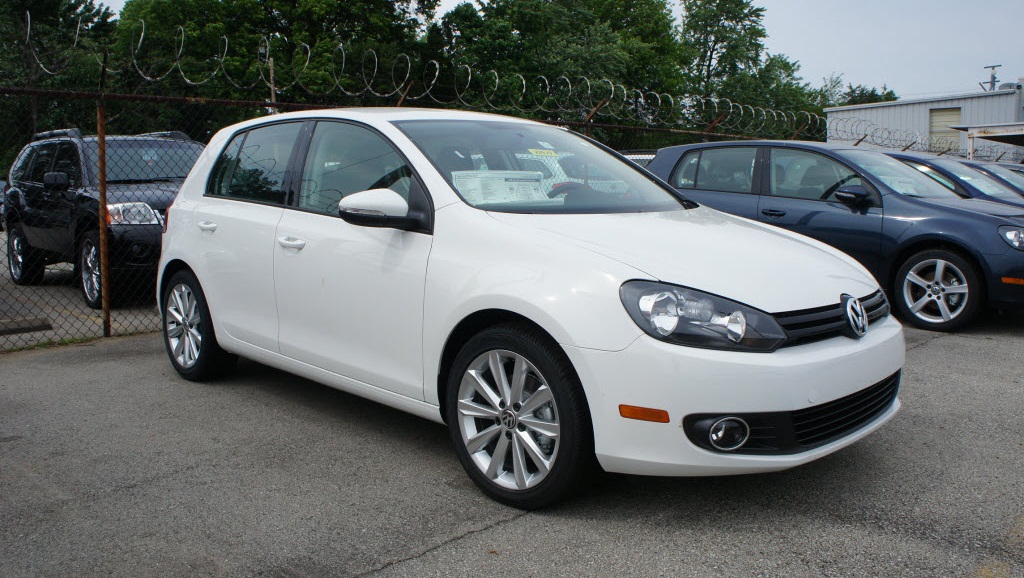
643,413
1013,281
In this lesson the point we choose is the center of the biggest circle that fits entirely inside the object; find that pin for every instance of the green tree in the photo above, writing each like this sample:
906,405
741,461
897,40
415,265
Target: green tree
721,39
861,94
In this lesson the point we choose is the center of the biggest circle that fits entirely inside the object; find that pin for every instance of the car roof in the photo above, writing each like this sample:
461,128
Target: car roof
774,143
371,115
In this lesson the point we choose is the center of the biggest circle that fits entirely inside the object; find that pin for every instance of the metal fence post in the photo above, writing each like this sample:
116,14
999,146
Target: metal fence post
101,152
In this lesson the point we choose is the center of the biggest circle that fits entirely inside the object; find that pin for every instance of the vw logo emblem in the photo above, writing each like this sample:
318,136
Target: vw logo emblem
509,419
856,316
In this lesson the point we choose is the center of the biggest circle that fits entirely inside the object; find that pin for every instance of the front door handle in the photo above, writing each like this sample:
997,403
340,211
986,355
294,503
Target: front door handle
773,213
291,243
209,226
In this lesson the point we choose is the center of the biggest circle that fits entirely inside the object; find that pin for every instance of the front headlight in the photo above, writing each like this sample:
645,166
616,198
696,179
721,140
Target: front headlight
1014,236
697,319
132,214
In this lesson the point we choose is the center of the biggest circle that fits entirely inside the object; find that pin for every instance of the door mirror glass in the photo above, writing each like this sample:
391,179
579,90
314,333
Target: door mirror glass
55,181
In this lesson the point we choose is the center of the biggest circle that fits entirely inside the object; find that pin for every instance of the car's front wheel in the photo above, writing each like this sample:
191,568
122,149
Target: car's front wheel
89,272
24,262
518,417
938,289
188,331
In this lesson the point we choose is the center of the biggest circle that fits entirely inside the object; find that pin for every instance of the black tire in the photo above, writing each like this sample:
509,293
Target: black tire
87,269
571,452
207,360
942,306
25,264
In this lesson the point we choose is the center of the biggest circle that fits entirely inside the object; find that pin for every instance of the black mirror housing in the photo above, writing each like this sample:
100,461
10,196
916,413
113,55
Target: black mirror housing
853,195
56,181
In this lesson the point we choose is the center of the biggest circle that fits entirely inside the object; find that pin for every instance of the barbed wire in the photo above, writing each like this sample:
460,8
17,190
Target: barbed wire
434,83
863,131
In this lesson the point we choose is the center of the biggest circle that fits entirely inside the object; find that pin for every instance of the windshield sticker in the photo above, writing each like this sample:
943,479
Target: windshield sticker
542,152
486,187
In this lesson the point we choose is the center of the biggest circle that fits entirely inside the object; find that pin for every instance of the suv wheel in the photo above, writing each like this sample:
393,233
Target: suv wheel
188,331
518,417
89,273
938,290
24,262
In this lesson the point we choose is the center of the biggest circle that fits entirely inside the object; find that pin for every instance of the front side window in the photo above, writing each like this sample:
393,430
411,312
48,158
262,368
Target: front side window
344,159
492,165
21,164
42,163
67,162
805,175
728,170
254,163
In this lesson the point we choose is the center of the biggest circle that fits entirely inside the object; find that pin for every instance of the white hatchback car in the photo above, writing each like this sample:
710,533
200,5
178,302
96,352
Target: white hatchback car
367,250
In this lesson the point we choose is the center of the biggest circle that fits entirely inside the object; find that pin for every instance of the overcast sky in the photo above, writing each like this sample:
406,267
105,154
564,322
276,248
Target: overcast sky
916,47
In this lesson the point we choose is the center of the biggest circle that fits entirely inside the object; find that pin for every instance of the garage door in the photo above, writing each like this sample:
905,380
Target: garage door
940,135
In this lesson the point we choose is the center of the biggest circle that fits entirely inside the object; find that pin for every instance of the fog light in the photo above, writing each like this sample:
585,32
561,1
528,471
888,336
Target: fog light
728,434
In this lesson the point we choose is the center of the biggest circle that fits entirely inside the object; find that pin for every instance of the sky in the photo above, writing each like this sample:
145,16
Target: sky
919,48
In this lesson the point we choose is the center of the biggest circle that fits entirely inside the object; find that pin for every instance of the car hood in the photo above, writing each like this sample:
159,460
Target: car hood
981,206
158,195
758,265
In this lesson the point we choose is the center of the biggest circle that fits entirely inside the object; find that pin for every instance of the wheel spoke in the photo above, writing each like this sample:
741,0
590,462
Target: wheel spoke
940,270
548,428
917,280
944,310
519,373
919,304
179,348
538,399
498,458
481,439
468,408
193,349
956,289
519,462
536,455
174,330
477,382
498,374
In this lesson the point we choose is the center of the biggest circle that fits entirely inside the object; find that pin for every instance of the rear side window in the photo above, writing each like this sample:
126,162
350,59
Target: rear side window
42,162
20,166
729,170
806,175
254,168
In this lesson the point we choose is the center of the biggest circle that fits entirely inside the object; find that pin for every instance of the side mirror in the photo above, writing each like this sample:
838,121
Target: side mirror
56,181
382,208
853,195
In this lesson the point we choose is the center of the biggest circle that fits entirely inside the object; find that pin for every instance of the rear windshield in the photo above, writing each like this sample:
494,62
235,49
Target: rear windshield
899,176
516,167
142,160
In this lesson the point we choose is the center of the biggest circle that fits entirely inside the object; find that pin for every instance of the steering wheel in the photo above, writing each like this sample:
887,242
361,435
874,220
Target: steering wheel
566,188
832,189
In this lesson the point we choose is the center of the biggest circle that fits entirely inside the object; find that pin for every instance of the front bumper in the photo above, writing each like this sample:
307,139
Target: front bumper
134,248
1008,265
686,381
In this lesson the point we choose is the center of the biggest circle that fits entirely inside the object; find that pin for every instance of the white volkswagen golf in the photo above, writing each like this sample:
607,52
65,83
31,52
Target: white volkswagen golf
412,258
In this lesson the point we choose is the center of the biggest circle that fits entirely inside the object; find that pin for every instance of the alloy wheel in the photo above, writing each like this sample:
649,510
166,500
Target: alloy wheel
16,253
508,419
936,291
182,326
90,271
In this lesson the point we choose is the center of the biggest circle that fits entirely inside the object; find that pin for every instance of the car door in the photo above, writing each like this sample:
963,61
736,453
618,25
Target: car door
799,195
236,221
350,298
723,178
35,210
60,204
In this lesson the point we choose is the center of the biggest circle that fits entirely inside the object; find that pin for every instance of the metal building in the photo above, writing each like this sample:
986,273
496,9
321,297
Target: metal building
928,123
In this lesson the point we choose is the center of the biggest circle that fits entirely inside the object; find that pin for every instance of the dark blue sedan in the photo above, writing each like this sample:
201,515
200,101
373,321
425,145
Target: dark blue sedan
941,257
964,180
1005,174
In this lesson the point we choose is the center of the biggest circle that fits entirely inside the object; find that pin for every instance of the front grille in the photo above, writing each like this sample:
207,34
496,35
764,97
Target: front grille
790,432
809,325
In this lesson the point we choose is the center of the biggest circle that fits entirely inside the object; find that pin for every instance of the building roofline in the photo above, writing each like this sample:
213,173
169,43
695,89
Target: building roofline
922,100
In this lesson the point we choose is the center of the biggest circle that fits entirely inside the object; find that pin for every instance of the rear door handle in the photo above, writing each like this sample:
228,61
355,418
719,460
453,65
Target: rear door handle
773,213
208,226
291,243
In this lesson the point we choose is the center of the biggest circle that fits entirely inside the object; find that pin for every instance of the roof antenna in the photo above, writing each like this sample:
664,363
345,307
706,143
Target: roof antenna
992,78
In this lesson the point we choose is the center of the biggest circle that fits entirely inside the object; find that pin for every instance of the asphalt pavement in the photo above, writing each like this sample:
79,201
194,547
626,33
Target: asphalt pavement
110,464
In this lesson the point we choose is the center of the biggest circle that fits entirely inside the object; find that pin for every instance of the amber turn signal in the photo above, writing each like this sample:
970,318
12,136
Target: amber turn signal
643,413
1013,281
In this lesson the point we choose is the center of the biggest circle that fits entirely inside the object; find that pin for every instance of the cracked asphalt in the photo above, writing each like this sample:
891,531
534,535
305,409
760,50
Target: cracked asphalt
112,465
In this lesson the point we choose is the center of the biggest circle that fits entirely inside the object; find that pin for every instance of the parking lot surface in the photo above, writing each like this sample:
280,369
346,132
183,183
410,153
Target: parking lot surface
110,464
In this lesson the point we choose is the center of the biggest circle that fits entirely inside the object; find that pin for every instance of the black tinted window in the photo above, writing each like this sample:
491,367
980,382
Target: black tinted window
21,164
729,170
67,162
42,163
220,177
262,161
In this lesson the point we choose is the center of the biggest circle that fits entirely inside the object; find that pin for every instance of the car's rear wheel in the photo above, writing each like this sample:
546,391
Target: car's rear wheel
25,264
188,331
938,289
518,417
90,278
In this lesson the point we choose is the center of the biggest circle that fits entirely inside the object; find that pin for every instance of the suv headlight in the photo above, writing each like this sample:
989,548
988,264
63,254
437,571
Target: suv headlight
1014,236
697,319
132,214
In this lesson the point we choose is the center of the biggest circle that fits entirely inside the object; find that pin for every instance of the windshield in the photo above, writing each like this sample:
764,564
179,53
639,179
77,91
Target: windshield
1013,177
139,160
515,167
898,176
977,179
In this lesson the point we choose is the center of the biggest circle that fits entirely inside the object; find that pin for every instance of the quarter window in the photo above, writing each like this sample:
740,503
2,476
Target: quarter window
729,170
686,173
345,159
806,175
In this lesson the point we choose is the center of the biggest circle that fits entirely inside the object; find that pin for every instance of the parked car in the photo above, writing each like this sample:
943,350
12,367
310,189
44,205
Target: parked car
1009,178
364,249
51,207
940,257
963,180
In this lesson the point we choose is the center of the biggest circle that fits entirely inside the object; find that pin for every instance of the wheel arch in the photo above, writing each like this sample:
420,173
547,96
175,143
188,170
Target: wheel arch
173,266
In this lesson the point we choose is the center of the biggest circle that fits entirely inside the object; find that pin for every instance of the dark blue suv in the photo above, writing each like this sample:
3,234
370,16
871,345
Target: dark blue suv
941,257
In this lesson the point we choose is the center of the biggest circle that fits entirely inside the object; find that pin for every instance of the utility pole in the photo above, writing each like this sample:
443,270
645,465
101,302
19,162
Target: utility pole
992,81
